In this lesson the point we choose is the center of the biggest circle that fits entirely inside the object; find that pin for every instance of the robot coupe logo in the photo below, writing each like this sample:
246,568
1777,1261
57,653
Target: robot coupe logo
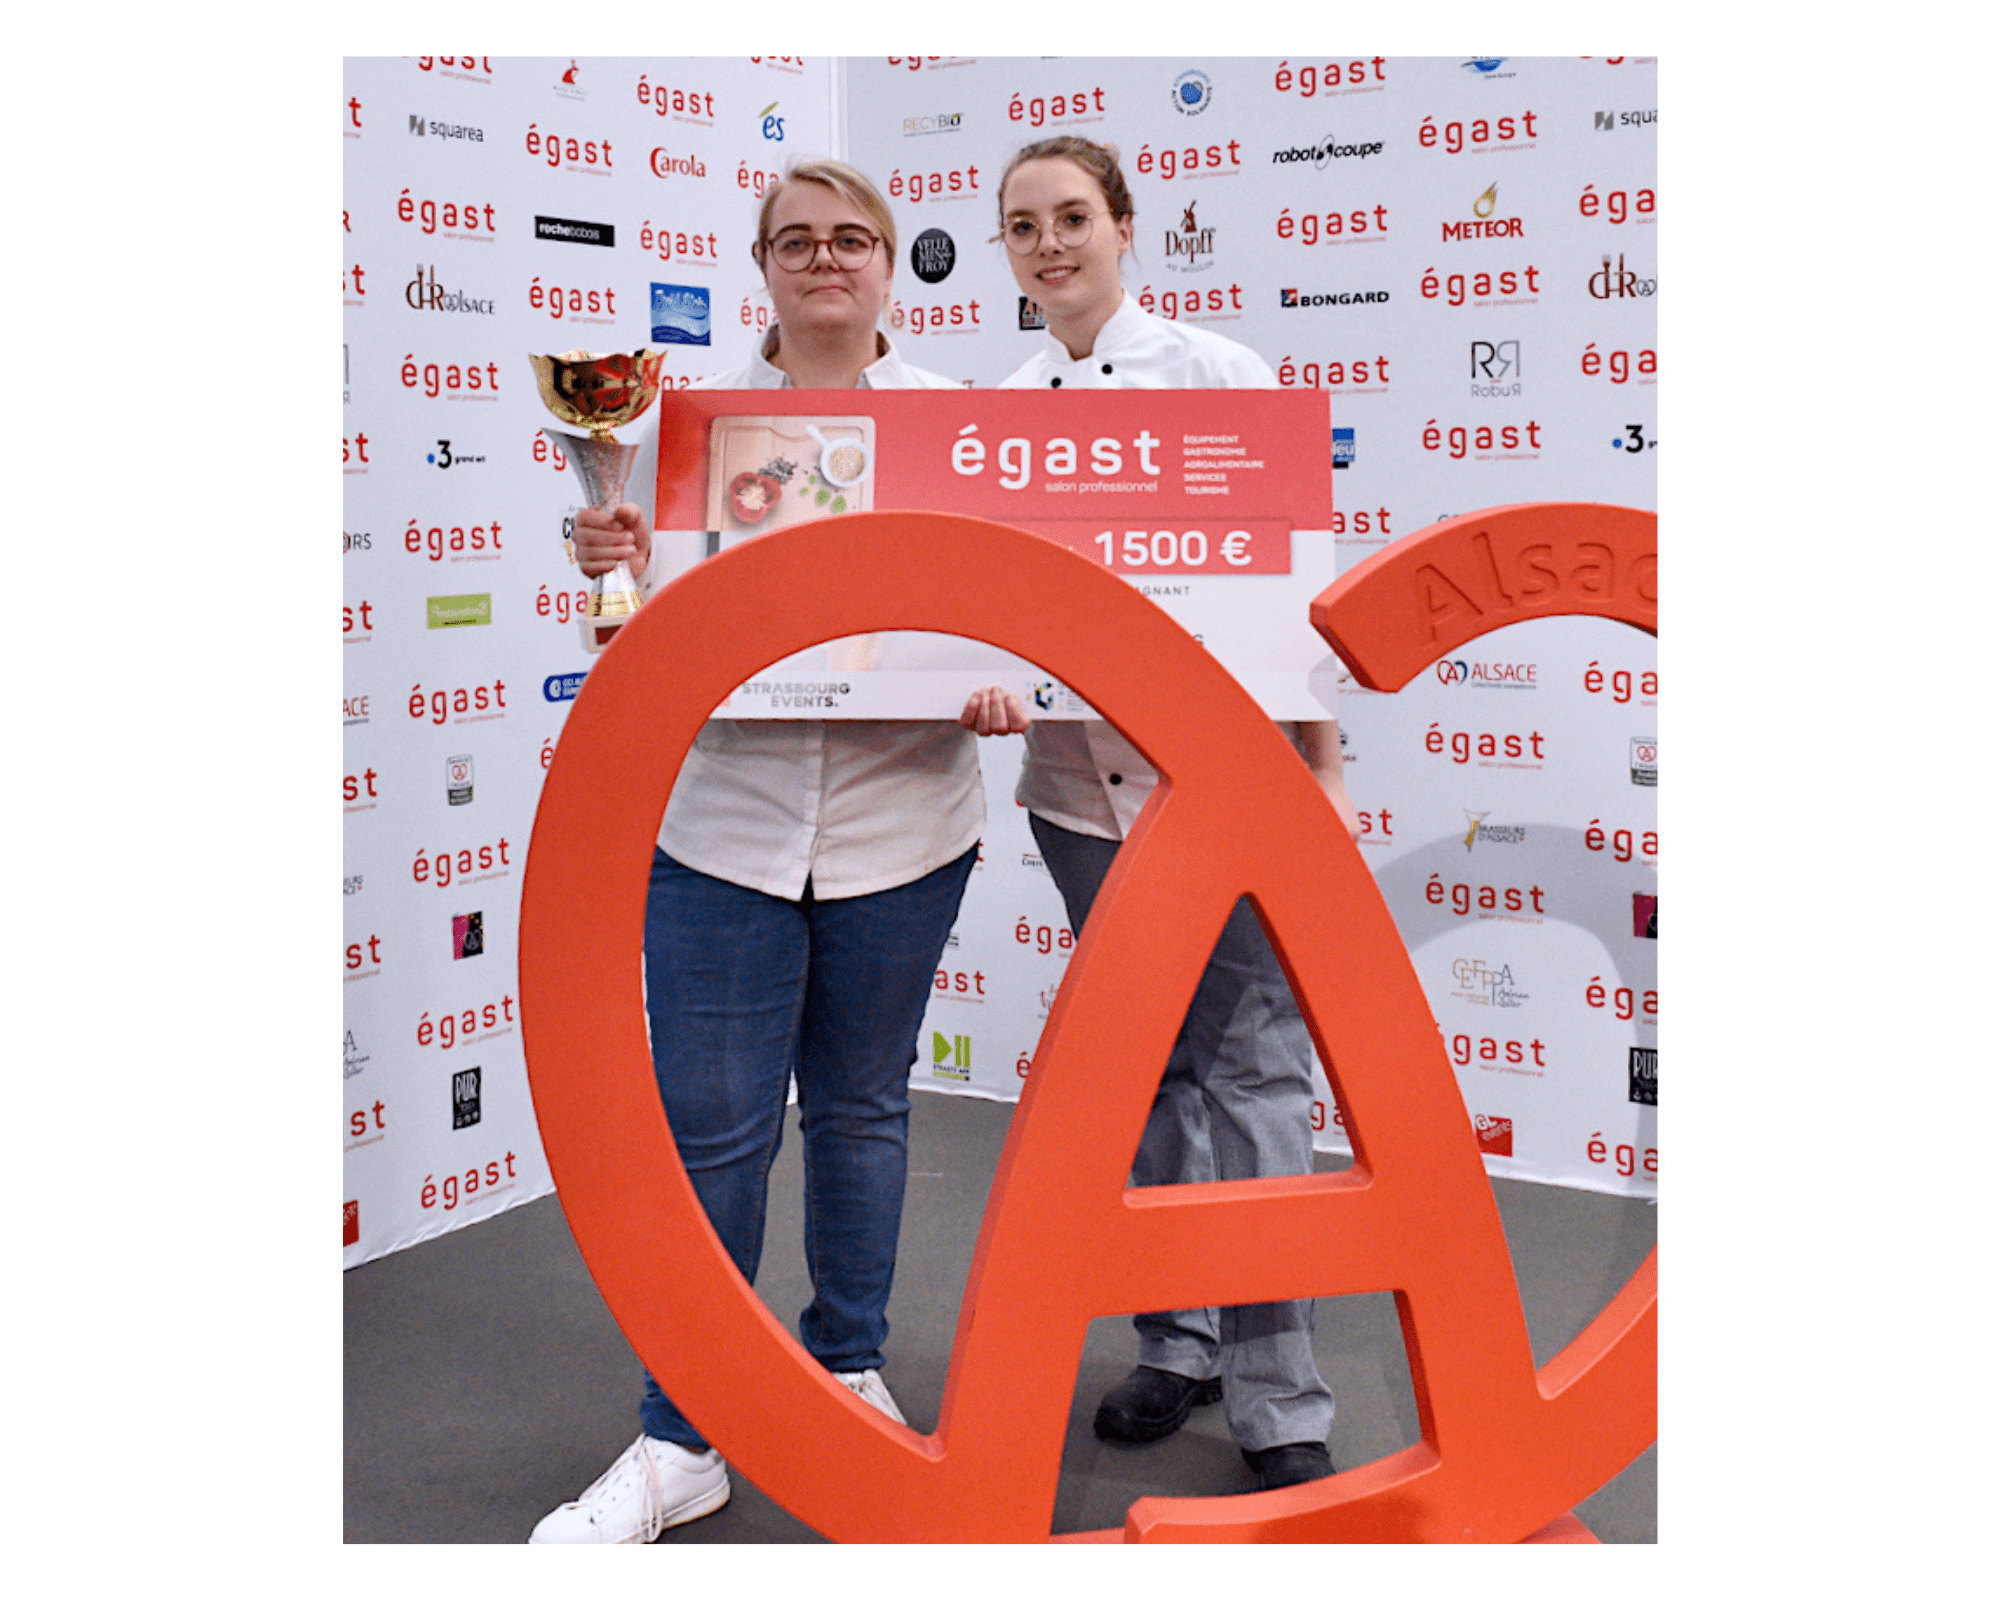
933,255
1061,1201
1190,247
1192,92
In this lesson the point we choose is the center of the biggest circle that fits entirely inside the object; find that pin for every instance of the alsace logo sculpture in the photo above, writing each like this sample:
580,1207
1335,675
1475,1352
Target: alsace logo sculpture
1506,1449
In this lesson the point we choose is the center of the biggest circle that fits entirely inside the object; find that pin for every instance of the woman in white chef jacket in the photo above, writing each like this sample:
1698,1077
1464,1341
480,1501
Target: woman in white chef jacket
1236,1098
806,878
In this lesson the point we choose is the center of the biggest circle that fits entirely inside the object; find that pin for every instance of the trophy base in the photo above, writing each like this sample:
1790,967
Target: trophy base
599,631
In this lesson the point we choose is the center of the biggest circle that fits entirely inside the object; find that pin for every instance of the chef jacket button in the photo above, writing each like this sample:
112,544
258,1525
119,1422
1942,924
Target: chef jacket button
1106,369
1116,778
1055,383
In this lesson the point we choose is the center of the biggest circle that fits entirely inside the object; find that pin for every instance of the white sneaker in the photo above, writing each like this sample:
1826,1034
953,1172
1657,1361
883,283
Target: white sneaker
870,1387
652,1486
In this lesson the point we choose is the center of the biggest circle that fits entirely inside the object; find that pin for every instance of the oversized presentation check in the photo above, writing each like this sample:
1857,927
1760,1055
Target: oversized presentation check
1216,504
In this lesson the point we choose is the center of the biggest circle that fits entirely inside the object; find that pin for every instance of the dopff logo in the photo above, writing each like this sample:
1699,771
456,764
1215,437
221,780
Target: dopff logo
1190,247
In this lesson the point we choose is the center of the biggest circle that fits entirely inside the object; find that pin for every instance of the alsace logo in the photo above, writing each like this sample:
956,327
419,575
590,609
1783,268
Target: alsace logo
458,610
1191,93
1480,983
1486,67
465,1098
1496,362
1343,448
1190,247
354,711
562,686
1488,674
1484,225
1623,284
423,128
680,313
568,86
1328,149
425,293
1645,916
443,458
1605,121
770,124
468,935
458,780
1480,831
939,122
352,1057
1495,1134
1642,1075
1646,763
1290,298
951,1057
933,255
569,230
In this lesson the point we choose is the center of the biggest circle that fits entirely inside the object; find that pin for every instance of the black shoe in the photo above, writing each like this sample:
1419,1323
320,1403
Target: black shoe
1283,1465
1151,1403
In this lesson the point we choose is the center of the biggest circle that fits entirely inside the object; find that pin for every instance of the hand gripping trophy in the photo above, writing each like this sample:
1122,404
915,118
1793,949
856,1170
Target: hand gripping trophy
600,392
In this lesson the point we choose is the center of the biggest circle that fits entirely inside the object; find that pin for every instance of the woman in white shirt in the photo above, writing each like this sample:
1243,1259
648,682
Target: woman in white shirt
806,878
1236,1097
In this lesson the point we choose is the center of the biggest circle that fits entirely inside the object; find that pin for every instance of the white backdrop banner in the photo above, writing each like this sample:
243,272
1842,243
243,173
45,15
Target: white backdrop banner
1461,253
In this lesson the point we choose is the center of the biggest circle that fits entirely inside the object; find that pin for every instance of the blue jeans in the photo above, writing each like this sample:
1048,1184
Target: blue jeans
745,991
1235,1101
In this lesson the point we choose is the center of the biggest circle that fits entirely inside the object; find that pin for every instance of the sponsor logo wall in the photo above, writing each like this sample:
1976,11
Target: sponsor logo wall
1462,254
493,207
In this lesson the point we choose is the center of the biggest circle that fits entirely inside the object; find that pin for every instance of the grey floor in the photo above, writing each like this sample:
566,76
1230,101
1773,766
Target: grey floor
485,1381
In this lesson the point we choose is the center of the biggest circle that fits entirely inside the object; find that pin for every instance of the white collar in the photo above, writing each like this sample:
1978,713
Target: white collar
1124,328
767,376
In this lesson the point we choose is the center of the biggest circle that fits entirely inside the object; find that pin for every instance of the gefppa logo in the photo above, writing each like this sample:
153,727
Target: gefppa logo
680,313
1190,247
1480,982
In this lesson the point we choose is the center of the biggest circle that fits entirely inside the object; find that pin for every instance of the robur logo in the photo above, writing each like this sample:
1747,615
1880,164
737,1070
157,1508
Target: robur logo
1190,246
951,1057
1496,362
1328,149
425,293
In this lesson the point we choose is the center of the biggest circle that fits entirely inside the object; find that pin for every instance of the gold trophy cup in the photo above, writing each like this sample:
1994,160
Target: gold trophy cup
600,392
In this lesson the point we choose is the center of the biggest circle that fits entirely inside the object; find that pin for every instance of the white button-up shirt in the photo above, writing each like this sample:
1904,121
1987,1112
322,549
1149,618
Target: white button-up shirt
856,806
1086,776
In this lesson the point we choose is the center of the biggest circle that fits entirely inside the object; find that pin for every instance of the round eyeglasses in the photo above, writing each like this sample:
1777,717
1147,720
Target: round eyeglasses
1024,234
851,249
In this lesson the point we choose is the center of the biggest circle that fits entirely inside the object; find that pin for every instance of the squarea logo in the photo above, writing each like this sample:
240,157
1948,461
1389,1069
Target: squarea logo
951,1057
680,313
1479,831
421,127
1192,92
1605,121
